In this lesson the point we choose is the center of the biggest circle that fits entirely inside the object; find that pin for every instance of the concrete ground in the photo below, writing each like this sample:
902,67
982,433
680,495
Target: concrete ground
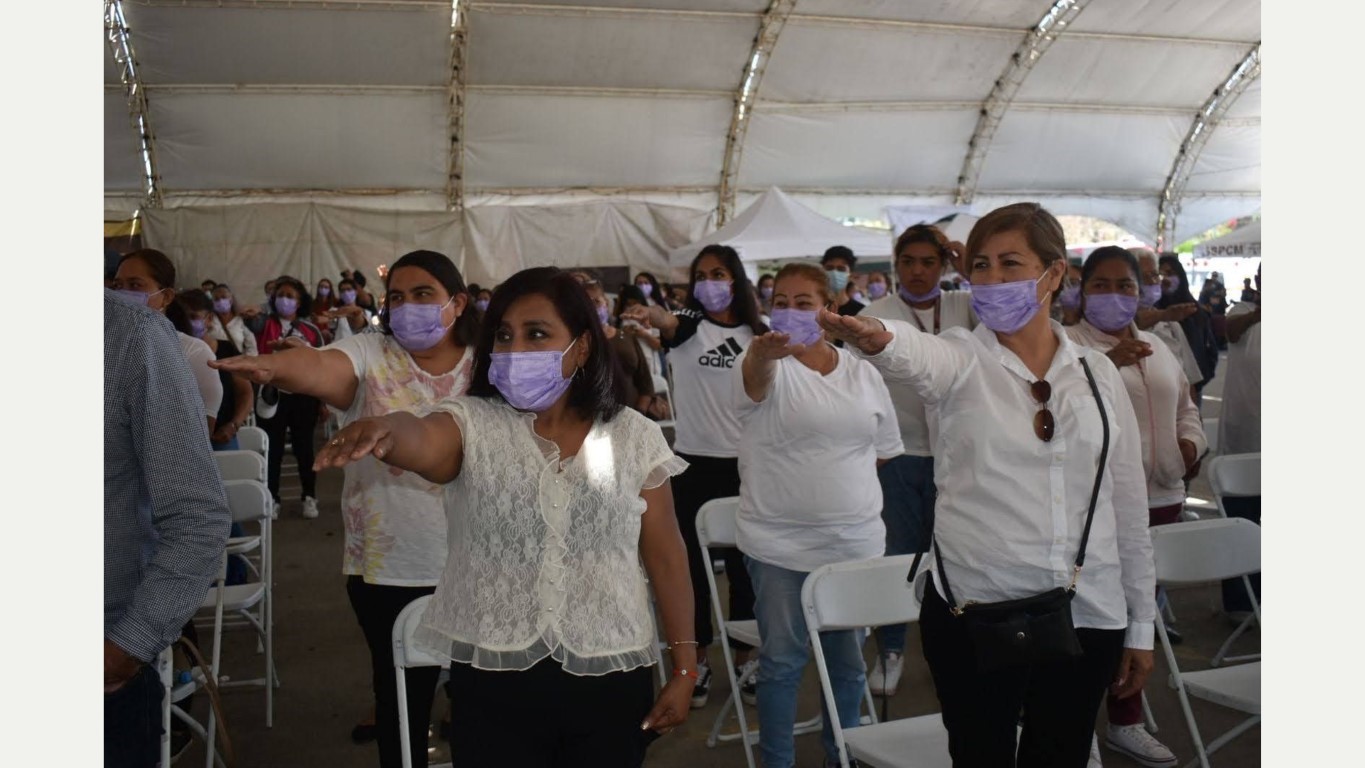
324,669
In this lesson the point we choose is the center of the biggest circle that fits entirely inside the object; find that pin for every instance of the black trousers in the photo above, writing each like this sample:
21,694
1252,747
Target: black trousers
1234,591
545,717
376,607
1059,702
298,415
132,722
710,478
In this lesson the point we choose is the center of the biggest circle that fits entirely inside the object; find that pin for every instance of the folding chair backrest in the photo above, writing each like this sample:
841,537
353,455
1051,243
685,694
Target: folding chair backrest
405,654
240,465
1206,550
253,439
863,593
1237,474
716,522
1211,435
248,500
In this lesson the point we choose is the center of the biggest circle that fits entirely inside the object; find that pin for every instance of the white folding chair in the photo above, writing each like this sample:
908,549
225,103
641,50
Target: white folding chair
406,655
241,465
871,593
661,388
1211,435
716,528
253,439
1198,553
249,502
1234,475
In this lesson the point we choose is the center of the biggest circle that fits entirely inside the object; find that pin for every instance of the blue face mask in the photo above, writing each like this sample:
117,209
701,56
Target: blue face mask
838,279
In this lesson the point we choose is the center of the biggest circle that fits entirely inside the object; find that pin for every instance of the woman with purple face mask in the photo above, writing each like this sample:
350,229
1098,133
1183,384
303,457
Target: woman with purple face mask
817,423
559,504
1037,441
192,313
394,521
227,325
347,318
765,294
1172,433
649,286
704,340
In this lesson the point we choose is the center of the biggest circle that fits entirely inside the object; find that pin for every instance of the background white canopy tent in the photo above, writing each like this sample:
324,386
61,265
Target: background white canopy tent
1243,242
776,227
1091,107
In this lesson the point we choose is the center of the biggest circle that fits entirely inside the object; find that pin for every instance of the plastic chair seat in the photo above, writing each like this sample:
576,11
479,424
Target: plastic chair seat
238,545
1237,687
889,745
744,631
238,597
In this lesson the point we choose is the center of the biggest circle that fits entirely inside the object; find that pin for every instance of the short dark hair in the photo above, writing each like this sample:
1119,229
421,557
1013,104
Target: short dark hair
927,234
1109,253
597,389
305,299
839,252
439,266
629,292
163,271
1041,230
742,301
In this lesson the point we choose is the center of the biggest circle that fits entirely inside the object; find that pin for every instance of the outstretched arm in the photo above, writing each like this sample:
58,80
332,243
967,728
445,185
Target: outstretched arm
326,374
430,446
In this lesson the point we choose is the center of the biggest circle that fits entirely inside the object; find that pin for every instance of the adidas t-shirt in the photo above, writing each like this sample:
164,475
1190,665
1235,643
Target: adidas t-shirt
703,354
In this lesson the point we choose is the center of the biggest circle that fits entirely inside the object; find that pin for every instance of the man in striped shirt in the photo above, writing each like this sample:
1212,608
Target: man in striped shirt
165,519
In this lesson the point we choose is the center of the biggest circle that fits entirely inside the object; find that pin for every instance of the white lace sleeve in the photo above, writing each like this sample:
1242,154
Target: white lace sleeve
657,460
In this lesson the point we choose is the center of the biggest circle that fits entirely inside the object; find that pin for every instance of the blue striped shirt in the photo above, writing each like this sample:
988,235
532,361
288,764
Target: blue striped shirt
165,512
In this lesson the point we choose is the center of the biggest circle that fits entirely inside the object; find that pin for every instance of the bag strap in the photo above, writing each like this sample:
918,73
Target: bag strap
1089,518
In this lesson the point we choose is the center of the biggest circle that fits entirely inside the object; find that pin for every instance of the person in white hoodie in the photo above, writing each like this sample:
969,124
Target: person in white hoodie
1168,422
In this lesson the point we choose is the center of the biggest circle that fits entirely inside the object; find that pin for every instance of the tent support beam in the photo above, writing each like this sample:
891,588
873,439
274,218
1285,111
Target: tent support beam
1021,63
459,52
121,46
1209,116
959,106
769,29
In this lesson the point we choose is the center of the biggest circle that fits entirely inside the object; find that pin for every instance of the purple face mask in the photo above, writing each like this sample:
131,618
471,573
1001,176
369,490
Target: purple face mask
1169,284
919,298
603,315
766,292
800,324
222,306
347,297
324,292
646,289
713,294
1151,294
876,290
481,305
530,381
418,327
1006,307
286,306
1071,297
134,297
1110,312
198,327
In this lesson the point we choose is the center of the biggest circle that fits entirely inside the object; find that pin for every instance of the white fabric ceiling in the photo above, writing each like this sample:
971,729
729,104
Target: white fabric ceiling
861,105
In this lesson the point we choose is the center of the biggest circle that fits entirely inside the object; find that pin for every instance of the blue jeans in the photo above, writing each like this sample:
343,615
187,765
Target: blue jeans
908,495
230,445
782,659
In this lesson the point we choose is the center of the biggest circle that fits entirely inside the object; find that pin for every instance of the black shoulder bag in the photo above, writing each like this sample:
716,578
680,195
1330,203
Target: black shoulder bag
1030,630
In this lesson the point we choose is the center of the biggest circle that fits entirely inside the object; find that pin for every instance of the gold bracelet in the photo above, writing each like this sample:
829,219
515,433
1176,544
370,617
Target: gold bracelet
681,642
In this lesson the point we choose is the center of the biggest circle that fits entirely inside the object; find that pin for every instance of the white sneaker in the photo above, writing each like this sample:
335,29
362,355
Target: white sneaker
1094,753
275,511
885,680
1135,742
748,690
310,507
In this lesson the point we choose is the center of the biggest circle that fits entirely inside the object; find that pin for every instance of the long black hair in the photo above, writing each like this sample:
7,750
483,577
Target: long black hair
439,266
656,295
597,389
742,291
1181,294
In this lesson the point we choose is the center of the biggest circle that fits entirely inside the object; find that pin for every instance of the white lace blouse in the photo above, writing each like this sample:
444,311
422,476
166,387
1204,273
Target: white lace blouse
544,555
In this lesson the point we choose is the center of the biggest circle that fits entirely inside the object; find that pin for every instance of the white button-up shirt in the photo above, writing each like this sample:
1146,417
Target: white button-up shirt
1011,508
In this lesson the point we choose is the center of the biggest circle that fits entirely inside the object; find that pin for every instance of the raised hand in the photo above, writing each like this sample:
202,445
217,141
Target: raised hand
959,250
1177,312
865,333
257,370
774,346
357,440
1129,351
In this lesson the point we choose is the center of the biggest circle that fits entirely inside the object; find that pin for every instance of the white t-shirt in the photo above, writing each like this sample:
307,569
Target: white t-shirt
808,454
395,521
1239,427
1179,344
704,356
235,332
919,425
208,381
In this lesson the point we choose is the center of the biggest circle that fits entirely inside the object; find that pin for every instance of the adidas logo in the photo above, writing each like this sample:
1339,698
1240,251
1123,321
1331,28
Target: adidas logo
723,356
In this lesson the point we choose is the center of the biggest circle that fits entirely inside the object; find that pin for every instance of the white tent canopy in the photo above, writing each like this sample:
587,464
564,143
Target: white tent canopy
1243,242
777,227
853,107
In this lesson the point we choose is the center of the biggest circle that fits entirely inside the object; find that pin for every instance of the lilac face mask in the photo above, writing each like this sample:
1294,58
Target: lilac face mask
324,292
876,290
1007,307
1169,285
603,315
1110,312
530,381
1071,297
418,327
766,292
134,297
646,289
481,305
1151,294
800,324
198,328
919,298
713,294
286,306
222,306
